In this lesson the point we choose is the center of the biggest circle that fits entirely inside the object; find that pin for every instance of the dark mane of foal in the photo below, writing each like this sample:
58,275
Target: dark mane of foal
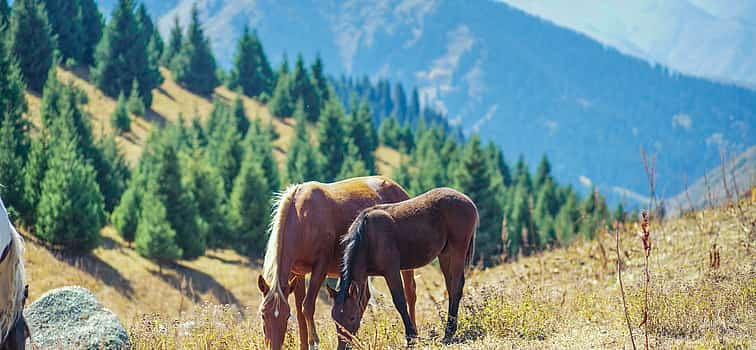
351,242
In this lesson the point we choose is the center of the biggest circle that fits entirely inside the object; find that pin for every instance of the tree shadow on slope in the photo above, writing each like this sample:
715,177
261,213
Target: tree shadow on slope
193,284
98,268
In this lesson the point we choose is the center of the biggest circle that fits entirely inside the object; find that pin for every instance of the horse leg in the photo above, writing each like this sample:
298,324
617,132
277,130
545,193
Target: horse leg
365,296
316,280
453,268
410,292
299,296
394,281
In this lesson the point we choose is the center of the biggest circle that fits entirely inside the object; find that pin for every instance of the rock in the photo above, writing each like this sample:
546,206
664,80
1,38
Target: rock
72,318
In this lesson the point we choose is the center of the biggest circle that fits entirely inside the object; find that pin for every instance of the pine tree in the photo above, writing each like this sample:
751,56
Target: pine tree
389,131
472,177
91,25
320,82
567,219
174,43
301,87
251,70
122,56
413,110
112,172
13,102
546,209
620,215
32,42
332,142
125,217
282,103
259,143
4,14
11,166
353,166
543,173
240,116
302,161
62,15
70,211
134,104
194,66
120,120
150,38
520,232
207,188
224,146
34,173
361,131
249,207
155,238
399,100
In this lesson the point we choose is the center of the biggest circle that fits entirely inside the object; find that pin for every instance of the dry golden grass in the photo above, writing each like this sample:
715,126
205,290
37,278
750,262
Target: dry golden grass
564,299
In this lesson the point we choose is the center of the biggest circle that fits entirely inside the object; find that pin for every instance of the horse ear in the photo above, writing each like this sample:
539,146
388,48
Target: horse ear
331,292
264,288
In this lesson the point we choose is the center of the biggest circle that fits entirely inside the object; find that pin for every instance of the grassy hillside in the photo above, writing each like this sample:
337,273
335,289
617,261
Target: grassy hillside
124,281
564,299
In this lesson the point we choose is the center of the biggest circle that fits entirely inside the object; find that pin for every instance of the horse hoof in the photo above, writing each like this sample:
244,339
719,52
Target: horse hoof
412,341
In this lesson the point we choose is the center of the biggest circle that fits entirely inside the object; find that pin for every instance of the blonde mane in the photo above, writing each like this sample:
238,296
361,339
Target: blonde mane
281,204
12,282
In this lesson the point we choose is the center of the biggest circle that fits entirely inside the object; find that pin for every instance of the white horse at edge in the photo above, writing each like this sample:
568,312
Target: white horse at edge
12,280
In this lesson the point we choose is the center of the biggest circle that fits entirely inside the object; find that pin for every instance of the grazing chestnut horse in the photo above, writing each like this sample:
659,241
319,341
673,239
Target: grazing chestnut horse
389,238
13,330
309,221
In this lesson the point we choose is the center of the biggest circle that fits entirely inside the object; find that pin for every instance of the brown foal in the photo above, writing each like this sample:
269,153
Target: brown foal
388,238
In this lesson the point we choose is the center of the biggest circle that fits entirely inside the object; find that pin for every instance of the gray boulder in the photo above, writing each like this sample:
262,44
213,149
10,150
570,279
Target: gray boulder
72,318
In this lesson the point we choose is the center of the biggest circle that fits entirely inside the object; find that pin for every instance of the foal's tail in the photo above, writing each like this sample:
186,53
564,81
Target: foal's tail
471,248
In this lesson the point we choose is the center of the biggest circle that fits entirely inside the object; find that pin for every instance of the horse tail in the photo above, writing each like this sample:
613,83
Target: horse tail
281,203
471,248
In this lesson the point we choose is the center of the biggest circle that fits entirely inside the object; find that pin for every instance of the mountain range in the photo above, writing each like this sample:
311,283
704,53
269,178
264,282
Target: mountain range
525,82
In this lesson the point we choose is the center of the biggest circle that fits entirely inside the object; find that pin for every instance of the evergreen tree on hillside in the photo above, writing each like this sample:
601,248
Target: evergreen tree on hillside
135,104
320,82
62,15
249,207
206,185
194,66
122,56
251,70
301,87
224,150
302,160
113,172
353,165
32,42
546,208
472,176
399,103
240,116
155,238
282,103
4,14
619,215
499,163
413,110
361,132
120,120
389,132
11,166
70,212
174,43
567,219
332,141
543,173
520,229
90,23
34,173
150,38
125,217
259,143
13,102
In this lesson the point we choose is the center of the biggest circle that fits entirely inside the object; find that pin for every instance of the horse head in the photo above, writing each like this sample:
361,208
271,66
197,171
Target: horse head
347,312
275,312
